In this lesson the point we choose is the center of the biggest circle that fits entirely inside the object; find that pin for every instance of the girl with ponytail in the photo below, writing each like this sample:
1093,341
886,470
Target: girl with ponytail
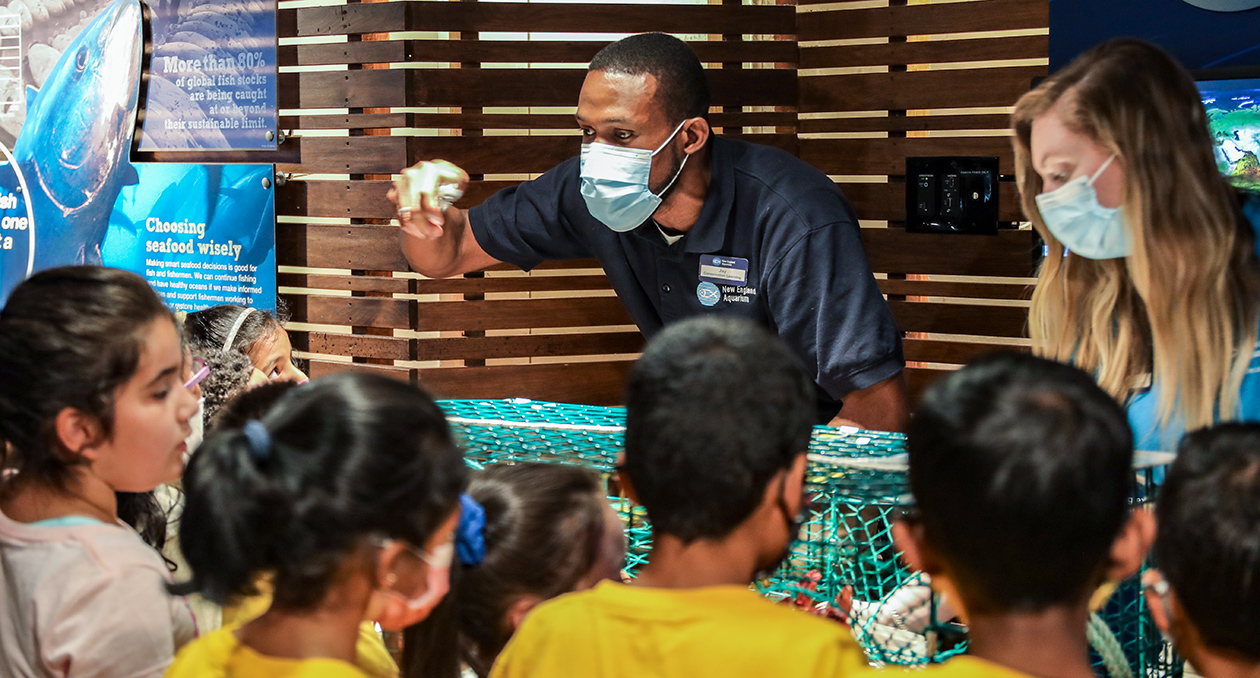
93,407
347,494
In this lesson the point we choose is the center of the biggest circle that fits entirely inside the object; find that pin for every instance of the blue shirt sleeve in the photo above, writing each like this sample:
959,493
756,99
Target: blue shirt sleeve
533,222
829,308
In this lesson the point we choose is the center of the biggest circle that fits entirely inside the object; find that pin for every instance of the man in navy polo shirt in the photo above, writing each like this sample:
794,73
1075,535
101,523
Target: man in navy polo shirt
684,223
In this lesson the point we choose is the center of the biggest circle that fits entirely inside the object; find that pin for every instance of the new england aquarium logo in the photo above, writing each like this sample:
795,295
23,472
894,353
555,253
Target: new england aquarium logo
708,294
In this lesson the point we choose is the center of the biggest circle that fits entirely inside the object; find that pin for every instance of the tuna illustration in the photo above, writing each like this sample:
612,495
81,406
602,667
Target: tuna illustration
74,146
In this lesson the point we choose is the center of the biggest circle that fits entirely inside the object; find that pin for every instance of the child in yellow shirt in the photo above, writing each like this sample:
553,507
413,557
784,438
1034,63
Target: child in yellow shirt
347,494
1021,469
718,418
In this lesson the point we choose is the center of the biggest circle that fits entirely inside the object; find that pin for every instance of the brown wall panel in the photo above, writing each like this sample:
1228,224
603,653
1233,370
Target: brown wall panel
888,156
528,346
933,19
352,89
522,313
972,290
350,155
904,123
577,18
957,352
323,368
594,383
359,345
917,89
360,311
361,247
984,320
929,52
1007,254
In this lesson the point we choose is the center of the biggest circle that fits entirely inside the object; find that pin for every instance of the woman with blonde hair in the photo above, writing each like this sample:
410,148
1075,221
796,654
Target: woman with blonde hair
1151,279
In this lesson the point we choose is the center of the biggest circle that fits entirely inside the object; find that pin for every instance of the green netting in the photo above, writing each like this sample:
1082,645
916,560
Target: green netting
844,559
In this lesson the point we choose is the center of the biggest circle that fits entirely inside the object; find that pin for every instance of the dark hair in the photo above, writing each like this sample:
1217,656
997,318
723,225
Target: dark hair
1021,468
1208,539
681,85
208,328
346,457
715,407
248,404
544,533
229,376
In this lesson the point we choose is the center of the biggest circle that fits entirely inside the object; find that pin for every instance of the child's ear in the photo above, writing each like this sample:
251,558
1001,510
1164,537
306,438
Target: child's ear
1131,545
78,432
521,607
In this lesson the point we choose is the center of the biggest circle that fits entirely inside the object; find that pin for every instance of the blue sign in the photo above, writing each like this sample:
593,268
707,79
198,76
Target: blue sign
212,77
202,235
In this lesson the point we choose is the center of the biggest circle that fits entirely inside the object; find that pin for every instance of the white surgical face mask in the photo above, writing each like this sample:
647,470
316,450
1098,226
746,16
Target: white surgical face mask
1073,215
615,183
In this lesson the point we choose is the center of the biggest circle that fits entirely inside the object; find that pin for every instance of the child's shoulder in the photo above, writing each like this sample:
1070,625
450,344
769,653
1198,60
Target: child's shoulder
83,549
958,667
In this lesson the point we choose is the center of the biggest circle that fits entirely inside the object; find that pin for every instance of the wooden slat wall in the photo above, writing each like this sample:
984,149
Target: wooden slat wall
371,87
881,83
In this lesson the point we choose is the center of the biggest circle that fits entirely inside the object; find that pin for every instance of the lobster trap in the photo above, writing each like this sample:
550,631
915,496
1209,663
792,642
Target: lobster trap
844,563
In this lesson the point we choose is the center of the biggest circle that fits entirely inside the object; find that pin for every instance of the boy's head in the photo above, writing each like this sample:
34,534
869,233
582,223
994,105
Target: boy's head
718,419
1020,467
1208,547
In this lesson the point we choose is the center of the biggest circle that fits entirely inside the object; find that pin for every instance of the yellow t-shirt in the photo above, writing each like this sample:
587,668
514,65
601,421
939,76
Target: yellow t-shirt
221,655
374,659
615,630
958,667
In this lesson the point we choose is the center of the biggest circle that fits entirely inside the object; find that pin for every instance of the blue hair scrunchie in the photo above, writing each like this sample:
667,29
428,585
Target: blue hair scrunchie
259,440
470,536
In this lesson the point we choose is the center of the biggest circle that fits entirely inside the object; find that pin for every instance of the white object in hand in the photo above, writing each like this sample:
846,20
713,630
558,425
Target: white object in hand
428,179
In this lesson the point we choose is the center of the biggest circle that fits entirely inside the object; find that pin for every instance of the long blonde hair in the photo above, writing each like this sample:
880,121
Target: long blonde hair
1183,306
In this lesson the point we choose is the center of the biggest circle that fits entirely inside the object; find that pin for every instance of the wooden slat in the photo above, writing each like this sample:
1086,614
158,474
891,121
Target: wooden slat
1007,254
888,156
350,155
504,120
359,311
929,52
370,248
570,18
511,51
593,383
918,379
888,201
351,283
358,345
933,19
384,88
522,313
323,368
513,154
917,89
956,352
939,288
528,346
983,320
904,123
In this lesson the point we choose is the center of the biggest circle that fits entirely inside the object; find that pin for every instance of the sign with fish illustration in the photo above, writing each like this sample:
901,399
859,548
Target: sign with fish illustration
212,76
69,194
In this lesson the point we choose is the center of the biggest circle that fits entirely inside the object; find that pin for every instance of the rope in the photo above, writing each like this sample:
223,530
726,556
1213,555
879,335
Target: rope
1108,647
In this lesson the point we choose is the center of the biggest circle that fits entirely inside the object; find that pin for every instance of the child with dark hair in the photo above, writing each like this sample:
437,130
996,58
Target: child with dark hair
92,406
547,529
251,332
1206,593
718,419
347,494
1021,472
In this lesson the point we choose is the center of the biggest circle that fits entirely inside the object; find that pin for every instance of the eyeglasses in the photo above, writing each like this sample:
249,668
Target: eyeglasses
200,371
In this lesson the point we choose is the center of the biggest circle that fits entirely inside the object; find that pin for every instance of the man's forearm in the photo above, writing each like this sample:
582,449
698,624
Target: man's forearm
880,407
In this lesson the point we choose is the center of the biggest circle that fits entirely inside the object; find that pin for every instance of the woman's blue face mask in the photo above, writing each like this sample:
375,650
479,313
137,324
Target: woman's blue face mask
1074,216
615,183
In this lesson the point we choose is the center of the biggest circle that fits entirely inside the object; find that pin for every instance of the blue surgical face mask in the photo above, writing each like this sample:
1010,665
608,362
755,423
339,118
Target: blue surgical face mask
615,183
1072,214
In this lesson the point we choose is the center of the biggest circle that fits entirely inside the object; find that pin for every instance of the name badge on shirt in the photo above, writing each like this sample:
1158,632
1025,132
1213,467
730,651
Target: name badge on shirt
721,270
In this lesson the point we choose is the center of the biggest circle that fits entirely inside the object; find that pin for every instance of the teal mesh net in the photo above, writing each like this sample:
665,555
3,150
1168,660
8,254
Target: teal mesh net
843,564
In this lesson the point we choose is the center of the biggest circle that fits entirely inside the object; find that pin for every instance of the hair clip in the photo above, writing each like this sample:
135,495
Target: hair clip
470,536
259,440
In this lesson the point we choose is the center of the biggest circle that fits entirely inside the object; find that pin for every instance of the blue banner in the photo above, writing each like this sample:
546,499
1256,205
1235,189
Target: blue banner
212,77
